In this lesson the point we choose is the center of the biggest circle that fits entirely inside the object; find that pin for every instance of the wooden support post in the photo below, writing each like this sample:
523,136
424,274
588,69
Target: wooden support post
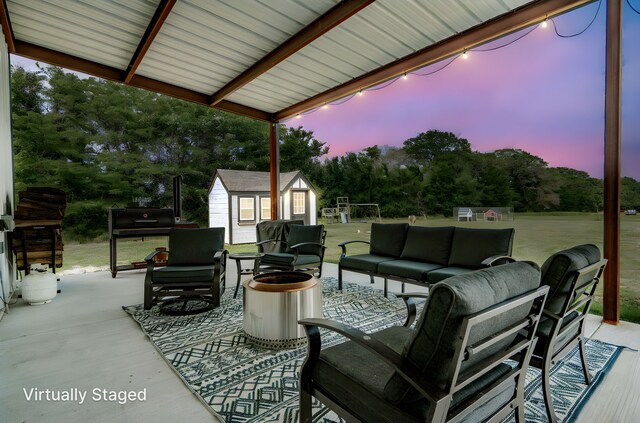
613,82
274,169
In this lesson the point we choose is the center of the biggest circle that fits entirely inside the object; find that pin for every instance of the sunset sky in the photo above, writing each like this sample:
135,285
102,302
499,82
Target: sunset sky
543,94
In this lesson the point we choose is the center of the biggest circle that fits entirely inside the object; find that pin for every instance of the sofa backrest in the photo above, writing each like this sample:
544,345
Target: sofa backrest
559,271
428,244
387,239
471,246
431,346
192,247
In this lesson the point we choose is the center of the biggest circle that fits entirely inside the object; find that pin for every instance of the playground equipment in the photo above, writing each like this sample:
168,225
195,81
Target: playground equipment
345,212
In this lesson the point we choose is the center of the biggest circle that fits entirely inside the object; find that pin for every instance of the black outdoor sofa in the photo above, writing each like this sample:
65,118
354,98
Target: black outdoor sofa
425,255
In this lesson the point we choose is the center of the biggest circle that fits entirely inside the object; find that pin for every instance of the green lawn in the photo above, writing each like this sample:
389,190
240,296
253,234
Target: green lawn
538,235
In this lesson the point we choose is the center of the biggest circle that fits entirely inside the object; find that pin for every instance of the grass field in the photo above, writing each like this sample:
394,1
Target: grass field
538,235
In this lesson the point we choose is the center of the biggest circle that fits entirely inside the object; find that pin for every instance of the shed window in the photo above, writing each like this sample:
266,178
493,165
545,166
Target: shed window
299,201
247,209
265,208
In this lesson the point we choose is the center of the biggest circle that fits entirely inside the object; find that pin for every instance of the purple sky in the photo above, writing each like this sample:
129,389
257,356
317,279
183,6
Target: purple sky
543,94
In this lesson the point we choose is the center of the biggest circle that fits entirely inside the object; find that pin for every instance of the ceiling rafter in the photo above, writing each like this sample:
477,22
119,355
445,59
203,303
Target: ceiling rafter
502,25
162,12
320,26
89,67
6,27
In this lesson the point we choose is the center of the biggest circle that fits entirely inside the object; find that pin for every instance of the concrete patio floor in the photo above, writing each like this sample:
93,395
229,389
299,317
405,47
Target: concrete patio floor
84,340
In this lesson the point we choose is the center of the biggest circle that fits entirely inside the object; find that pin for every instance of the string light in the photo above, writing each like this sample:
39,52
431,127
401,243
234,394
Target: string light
405,77
465,55
298,116
326,106
544,24
360,93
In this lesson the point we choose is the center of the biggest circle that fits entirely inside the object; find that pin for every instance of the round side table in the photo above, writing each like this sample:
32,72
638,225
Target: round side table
239,257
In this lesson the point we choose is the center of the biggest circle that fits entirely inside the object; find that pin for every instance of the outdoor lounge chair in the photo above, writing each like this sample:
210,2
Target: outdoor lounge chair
450,367
572,276
195,270
303,250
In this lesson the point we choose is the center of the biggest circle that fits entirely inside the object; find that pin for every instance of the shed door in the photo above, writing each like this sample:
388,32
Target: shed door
300,206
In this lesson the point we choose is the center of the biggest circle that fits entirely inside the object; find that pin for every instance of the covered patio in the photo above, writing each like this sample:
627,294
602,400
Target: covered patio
58,346
269,61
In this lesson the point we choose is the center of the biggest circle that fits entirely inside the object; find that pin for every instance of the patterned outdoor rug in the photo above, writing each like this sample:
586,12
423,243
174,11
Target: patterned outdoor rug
240,382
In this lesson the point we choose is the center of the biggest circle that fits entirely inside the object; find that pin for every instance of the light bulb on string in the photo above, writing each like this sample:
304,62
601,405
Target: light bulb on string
326,106
544,24
360,93
405,77
298,116
465,55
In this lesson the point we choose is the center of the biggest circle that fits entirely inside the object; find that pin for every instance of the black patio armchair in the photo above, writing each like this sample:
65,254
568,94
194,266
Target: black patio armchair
572,276
451,367
195,272
303,250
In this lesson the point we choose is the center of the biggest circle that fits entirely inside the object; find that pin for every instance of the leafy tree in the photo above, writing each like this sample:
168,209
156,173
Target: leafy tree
300,150
427,146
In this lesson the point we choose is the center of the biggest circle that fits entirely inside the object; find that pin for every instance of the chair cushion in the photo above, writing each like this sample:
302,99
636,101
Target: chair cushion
194,247
286,259
366,262
432,342
431,245
443,273
544,331
305,233
558,271
407,269
387,239
356,377
183,274
471,246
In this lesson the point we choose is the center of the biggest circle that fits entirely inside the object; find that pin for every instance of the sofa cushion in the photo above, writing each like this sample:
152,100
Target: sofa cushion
558,271
443,273
407,269
436,333
194,246
431,245
471,246
387,239
305,233
183,274
367,262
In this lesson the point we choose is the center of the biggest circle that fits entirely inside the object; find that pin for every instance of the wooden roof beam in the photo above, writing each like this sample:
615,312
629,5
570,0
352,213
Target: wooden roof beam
6,27
513,21
323,24
162,12
89,67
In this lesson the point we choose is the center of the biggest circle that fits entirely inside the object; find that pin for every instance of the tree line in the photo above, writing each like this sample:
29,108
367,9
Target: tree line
107,144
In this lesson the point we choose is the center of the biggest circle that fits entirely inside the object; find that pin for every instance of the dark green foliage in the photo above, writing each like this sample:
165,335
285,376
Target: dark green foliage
86,220
106,143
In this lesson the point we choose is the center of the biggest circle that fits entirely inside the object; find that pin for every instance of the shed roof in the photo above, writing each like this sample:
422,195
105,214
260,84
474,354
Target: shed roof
268,59
252,181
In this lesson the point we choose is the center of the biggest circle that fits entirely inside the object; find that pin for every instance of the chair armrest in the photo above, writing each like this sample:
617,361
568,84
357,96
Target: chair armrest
149,258
404,368
343,245
411,305
490,261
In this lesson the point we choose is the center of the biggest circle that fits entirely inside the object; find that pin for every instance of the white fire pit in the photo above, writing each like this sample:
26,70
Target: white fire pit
273,304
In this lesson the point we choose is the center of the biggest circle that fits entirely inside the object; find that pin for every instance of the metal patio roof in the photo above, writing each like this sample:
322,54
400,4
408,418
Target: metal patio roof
267,59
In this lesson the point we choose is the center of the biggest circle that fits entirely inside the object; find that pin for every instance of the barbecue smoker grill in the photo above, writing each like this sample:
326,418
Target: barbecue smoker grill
136,222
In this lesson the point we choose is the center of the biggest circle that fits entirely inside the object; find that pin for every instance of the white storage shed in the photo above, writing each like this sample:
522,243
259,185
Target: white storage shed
239,199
